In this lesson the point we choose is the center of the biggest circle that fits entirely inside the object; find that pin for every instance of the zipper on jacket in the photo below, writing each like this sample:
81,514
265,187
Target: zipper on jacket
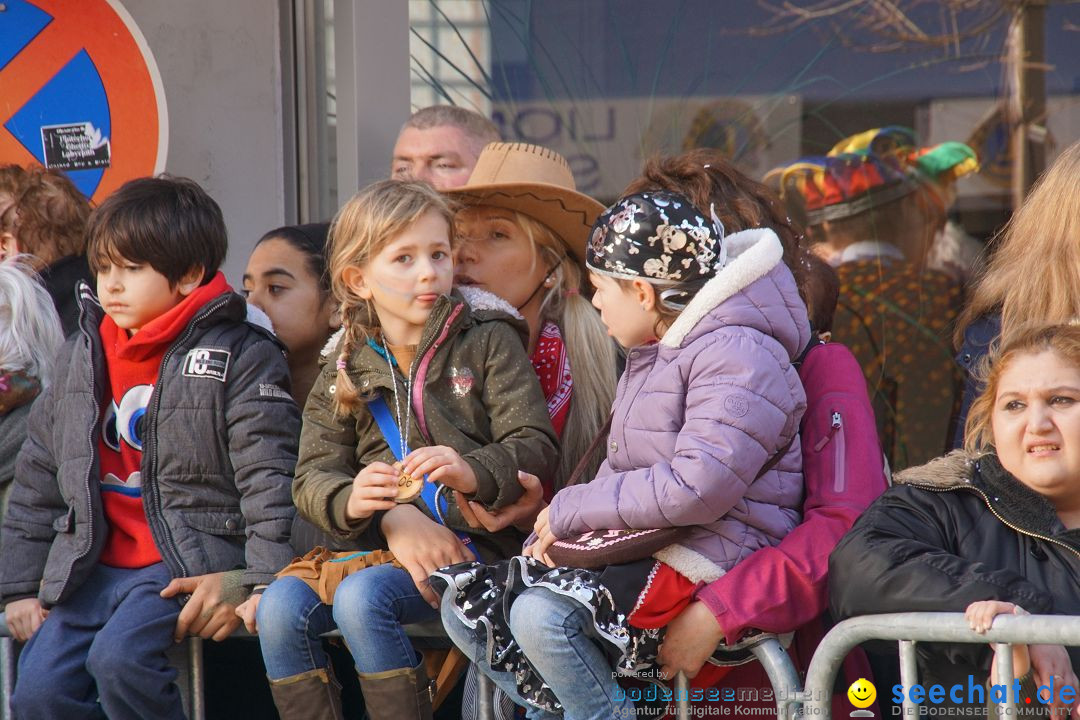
836,430
90,466
167,539
1006,523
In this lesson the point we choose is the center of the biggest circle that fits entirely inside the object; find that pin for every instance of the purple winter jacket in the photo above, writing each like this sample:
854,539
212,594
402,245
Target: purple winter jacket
698,415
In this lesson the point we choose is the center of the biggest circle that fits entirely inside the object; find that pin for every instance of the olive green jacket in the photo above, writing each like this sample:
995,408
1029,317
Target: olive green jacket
474,390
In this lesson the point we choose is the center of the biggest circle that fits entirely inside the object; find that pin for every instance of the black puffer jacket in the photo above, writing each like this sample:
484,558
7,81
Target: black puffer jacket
220,449
952,532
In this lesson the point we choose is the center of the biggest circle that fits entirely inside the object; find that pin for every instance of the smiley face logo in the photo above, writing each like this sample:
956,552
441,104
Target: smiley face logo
862,693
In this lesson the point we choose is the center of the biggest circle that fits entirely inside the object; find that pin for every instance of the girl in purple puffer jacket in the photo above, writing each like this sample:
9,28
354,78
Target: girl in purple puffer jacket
703,436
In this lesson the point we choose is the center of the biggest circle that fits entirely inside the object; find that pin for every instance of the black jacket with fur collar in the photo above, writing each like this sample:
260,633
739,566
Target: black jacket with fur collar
951,532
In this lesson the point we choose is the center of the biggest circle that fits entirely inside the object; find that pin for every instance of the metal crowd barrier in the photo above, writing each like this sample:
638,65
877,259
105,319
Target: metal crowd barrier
908,629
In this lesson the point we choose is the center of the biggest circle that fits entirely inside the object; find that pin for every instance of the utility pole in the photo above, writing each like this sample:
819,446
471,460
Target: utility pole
1027,99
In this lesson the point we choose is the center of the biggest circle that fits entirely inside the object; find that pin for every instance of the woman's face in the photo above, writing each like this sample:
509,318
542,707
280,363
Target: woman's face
279,281
1036,424
494,254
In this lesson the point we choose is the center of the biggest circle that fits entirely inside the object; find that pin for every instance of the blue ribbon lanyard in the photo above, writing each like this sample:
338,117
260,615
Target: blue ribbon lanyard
433,496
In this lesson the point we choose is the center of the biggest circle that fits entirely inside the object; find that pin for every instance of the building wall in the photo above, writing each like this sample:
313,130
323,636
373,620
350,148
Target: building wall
220,63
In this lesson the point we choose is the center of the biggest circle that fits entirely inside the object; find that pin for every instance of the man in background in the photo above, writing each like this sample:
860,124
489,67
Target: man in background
439,145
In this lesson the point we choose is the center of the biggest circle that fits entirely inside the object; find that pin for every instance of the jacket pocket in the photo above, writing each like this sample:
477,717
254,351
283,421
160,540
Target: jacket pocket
835,435
221,522
65,523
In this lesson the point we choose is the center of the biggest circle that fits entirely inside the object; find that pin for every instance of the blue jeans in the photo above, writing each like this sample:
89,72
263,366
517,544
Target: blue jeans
557,637
370,606
102,652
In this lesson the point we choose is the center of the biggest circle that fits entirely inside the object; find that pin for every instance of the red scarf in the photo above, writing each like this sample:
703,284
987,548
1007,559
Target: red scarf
133,363
552,366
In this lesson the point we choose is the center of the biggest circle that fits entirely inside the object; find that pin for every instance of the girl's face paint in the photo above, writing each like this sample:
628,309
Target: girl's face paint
406,277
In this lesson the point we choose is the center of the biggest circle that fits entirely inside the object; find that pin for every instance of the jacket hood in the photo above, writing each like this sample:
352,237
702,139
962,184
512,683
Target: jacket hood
754,289
1009,499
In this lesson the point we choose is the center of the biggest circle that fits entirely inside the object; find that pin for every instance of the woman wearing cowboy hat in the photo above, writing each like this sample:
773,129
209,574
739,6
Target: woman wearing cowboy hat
522,230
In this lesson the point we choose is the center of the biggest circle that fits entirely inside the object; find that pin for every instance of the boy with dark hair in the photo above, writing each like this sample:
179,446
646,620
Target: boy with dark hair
160,458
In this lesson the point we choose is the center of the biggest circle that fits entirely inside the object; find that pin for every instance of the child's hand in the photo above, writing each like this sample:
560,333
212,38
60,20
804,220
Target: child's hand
441,464
206,613
521,513
544,539
980,616
24,617
246,612
373,488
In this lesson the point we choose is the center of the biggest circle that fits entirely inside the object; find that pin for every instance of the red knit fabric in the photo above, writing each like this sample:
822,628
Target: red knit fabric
667,594
133,364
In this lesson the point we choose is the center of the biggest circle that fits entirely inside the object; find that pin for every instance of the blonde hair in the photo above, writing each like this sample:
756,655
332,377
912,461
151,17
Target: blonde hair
1063,340
590,350
1034,272
369,221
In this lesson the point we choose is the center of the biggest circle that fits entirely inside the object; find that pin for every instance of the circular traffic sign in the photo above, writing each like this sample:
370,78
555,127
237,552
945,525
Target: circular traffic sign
80,91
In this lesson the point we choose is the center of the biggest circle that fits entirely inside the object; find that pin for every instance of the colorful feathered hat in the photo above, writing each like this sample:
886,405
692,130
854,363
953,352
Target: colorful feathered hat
868,170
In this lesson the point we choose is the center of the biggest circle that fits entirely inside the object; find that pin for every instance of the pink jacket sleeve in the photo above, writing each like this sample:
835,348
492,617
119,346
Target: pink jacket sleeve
779,589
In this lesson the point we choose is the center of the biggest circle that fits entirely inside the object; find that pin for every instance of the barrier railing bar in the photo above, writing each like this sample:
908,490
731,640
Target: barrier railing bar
1004,674
7,673
782,674
925,627
909,673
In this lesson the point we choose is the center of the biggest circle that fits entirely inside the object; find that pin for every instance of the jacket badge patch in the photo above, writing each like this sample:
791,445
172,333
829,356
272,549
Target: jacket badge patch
207,363
271,390
737,405
461,381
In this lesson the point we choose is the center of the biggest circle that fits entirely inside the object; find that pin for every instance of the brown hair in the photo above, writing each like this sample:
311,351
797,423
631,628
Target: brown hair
910,223
822,293
1034,271
169,223
1064,340
363,226
48,216
707,178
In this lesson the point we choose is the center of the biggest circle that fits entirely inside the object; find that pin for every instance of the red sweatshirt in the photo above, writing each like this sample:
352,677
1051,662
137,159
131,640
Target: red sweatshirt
133,363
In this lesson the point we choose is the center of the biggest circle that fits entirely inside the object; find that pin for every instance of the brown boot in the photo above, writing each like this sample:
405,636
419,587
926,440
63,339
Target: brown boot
402,694
313,695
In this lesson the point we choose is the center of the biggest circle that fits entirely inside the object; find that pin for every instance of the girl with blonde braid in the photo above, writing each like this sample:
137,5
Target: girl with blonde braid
448,369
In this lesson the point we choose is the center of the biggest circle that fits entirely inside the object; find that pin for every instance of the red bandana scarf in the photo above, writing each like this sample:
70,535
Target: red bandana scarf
552,366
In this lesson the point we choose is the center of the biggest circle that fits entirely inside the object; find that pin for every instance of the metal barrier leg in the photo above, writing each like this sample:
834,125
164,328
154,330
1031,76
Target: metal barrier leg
7,676
682,697
1004,677
485,701
909,675
195,678
782,676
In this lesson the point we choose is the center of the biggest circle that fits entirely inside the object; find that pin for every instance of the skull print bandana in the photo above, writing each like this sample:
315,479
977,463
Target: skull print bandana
659,236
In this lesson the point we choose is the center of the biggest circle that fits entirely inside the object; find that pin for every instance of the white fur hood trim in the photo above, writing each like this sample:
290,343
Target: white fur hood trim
332,343
751,254
256,317
692,565
479,299
476,298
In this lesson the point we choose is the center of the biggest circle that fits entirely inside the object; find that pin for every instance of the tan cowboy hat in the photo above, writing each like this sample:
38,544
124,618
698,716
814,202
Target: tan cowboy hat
536,182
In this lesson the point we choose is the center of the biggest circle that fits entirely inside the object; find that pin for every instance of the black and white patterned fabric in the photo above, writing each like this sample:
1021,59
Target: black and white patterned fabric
483,595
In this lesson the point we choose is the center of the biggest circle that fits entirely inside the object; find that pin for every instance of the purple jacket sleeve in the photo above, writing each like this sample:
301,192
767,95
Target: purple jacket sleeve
717,456
779,589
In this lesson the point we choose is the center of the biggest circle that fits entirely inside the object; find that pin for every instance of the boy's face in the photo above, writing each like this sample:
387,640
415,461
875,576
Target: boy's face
133,294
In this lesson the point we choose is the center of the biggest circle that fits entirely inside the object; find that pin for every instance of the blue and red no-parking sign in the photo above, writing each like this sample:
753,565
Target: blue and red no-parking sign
79,91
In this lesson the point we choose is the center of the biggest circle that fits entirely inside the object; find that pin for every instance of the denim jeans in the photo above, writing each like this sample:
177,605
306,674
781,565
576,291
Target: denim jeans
102,652
557,637
370,606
